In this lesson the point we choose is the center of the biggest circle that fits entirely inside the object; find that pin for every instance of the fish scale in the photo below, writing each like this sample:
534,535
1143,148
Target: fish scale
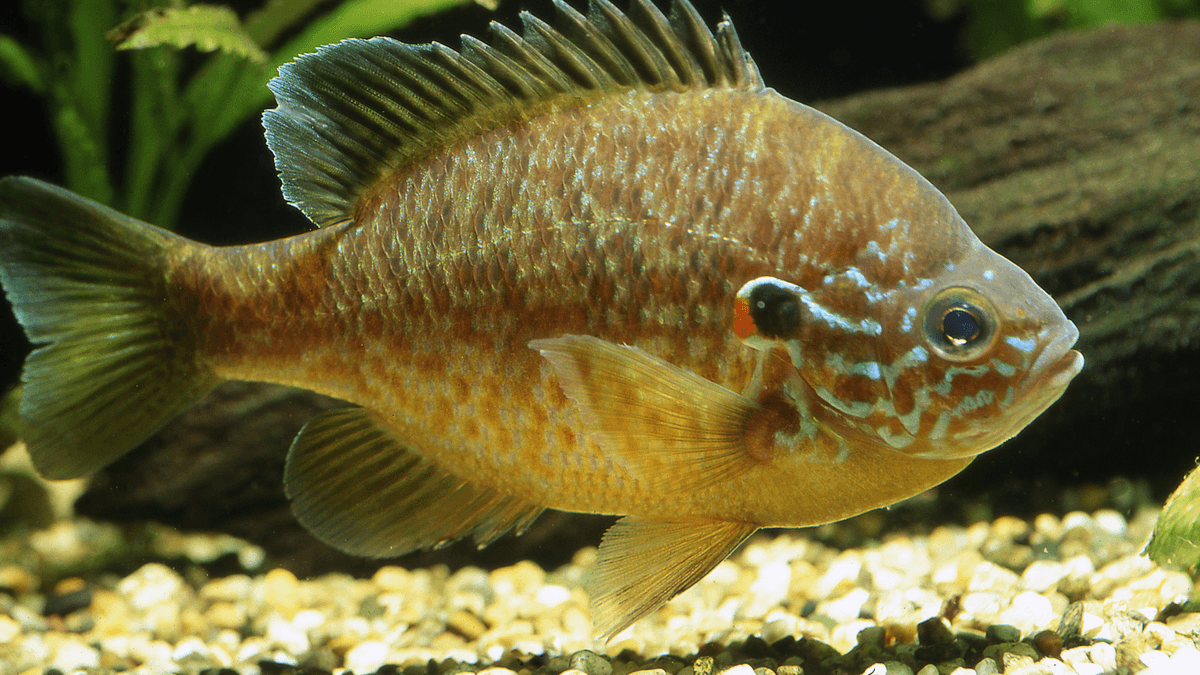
597,267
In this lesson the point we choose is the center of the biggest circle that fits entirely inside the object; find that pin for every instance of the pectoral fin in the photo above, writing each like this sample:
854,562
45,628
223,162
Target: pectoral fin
357,487
666,424
643,563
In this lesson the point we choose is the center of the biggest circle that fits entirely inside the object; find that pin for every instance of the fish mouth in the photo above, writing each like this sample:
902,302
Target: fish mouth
1057,363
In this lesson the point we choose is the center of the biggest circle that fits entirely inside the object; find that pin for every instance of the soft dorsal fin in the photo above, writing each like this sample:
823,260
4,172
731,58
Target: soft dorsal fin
356,112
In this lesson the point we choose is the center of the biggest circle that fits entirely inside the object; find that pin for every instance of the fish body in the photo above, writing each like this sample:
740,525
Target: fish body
597,268
623,244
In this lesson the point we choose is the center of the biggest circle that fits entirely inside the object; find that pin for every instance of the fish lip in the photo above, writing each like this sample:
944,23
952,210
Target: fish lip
1057,363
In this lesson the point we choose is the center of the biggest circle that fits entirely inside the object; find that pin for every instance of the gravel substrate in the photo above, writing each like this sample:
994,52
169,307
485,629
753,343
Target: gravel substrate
1055,595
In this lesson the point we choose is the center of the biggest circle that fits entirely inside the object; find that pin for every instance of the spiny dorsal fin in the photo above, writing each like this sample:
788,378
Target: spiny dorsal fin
355,112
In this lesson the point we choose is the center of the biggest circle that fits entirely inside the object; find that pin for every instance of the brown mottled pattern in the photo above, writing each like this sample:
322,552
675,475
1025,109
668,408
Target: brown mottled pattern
634,219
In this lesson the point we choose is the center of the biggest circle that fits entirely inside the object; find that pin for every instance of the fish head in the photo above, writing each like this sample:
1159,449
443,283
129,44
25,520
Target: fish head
943,367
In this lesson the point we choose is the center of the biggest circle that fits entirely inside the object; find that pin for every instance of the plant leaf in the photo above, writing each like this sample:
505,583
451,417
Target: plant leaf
1176,539
207,27
277,16
223,94
358,18
18,66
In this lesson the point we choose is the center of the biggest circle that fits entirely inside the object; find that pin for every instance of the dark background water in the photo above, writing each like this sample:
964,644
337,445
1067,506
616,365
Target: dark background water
809,51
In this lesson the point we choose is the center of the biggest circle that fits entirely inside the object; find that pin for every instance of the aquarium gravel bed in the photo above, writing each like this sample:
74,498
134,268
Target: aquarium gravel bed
1055,595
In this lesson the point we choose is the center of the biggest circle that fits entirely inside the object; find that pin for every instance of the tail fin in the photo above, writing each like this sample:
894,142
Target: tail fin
116,360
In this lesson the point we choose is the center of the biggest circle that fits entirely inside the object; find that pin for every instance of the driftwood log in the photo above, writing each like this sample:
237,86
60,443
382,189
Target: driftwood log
1078,157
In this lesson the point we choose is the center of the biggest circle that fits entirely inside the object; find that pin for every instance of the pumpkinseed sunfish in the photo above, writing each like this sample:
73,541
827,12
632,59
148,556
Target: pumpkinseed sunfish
596,267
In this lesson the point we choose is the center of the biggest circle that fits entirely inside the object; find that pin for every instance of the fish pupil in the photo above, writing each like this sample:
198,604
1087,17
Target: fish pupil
960,326
775,310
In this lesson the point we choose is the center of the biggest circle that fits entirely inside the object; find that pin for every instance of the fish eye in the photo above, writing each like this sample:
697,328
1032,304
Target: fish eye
960,324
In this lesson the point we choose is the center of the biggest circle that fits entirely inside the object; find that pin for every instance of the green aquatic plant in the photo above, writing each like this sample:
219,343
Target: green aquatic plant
1176,539
176,110
995,25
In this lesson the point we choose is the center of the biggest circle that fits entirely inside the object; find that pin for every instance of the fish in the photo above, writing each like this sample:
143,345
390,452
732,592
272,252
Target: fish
596,266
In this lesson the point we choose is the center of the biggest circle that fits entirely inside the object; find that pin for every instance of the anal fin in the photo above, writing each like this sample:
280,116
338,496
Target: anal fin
359,488
644,562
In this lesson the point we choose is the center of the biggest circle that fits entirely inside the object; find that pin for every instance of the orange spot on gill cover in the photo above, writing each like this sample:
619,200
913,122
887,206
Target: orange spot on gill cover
743,323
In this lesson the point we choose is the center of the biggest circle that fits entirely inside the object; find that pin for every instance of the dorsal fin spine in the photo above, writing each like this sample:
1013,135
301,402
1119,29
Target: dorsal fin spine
658,29
745,72
578,30
649,64
550,77
356,112
699,40
581,68
500,66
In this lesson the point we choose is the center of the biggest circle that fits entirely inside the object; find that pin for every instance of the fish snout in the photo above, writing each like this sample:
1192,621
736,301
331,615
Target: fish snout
1057,363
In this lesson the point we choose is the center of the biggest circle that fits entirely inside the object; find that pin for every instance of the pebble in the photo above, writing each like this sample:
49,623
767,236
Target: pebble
591,663
819,610
1002,633
987,667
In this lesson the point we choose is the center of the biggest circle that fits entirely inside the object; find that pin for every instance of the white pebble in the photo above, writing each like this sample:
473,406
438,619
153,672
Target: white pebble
1091,625
1048,527
152,584
1075,656
285,634
155,654
1104,655
991,578
551,596
768,590
233,588
1156,660
1029,612
367,657
987,667
846,608
74,655
1076,519
1110,522
845,636
10,630
1042,575
1118,573
1186,659
308,619
843,574
192,649
251,651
